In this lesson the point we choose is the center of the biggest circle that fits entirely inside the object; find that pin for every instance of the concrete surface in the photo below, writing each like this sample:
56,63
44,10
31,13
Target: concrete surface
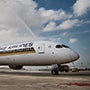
43,80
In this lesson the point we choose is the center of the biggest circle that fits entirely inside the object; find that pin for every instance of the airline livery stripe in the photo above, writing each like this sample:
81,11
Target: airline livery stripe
17,52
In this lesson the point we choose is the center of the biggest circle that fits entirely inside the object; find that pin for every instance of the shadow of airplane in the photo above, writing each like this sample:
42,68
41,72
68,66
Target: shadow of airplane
43,73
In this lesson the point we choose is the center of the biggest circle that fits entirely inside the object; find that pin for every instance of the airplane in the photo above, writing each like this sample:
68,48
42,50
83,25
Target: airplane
37,53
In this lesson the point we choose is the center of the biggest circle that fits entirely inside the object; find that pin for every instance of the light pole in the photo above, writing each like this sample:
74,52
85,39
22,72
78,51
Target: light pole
89,65
73,65
82,65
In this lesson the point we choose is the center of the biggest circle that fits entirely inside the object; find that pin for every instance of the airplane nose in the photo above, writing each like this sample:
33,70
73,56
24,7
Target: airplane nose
75,55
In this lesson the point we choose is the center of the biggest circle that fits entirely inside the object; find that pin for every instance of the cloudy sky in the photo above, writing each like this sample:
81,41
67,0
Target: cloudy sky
64,21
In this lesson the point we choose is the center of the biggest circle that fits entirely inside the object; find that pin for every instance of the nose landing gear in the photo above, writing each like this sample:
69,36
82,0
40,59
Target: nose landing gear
54,72
56,68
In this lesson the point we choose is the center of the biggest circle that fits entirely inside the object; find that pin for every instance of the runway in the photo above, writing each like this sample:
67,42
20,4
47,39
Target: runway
43,80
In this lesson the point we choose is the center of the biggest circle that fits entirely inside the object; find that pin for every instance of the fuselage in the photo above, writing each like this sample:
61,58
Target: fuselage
37,53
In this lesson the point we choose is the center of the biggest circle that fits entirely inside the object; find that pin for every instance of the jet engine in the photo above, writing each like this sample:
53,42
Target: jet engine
16,67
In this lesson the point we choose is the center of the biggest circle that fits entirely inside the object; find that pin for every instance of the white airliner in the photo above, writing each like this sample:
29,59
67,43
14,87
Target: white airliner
37,53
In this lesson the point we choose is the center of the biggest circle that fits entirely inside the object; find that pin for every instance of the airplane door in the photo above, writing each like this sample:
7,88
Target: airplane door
41,48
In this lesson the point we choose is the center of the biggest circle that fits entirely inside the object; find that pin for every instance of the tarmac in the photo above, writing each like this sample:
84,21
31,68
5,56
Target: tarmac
43,80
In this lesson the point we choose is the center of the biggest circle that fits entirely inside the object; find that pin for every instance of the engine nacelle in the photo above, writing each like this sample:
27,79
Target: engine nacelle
16,67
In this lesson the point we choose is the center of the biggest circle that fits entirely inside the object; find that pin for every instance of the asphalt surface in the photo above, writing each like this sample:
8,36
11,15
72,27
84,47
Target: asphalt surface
43,80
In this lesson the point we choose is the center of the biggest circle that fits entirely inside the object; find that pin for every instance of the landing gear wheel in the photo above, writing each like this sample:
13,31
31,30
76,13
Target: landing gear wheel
54,72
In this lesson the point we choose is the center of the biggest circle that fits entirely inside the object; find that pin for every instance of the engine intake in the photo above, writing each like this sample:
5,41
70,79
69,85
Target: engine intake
16,67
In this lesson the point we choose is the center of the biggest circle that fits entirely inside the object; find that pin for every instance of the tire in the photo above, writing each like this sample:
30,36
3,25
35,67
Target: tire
62,70
54,72
67,70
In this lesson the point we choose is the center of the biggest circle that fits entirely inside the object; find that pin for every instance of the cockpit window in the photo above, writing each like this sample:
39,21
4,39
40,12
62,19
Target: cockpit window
58,46
65,46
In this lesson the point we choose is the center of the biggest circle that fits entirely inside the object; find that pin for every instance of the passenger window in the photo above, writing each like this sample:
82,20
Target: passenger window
49,46
58,46
38,47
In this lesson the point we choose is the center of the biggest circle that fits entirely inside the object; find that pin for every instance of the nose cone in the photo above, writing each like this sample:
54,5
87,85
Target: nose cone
74,55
